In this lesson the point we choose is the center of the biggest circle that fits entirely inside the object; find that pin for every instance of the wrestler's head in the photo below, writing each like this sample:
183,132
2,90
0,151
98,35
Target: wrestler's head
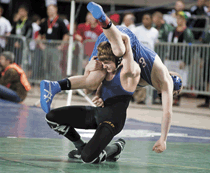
105,55
177,80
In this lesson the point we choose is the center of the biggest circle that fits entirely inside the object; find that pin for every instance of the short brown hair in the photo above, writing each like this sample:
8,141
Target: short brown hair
105,52
9,56
158,14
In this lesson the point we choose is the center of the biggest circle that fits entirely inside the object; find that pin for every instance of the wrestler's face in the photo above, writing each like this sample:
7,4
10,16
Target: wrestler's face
109,66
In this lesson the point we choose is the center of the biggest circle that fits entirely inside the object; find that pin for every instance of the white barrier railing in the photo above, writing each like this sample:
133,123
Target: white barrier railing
47,60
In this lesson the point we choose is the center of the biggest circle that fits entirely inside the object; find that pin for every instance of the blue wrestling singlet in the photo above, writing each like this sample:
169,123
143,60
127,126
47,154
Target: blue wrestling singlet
113,88
142,55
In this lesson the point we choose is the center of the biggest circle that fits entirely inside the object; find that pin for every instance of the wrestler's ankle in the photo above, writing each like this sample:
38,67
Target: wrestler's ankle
106,24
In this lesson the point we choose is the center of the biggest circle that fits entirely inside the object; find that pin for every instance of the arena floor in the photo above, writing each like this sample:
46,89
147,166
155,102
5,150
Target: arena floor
29,145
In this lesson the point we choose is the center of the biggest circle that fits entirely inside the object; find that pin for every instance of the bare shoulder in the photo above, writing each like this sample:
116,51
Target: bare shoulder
159,74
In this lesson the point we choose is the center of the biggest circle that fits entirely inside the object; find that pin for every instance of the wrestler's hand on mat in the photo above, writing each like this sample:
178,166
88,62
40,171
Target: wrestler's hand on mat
94,64
159,146
98,101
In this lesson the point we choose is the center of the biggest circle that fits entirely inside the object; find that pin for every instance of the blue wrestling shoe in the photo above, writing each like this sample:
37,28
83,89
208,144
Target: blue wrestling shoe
114,157
48,90
97,11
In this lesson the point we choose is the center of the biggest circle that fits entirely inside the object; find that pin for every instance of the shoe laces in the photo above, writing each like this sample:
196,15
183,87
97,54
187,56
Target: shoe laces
49,94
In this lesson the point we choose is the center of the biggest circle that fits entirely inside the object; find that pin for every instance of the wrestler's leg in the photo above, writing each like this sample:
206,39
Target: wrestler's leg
109,29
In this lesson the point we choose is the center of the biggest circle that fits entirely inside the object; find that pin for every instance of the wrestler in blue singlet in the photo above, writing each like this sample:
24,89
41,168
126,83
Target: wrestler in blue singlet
142,55
113,88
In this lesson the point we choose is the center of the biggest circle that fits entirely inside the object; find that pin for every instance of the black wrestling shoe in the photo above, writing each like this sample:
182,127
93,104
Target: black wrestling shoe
114,157
76,154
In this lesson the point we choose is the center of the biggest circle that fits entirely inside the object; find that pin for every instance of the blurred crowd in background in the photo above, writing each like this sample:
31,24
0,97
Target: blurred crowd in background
174,27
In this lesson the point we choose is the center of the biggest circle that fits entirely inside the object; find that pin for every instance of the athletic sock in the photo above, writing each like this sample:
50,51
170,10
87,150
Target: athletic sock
106,24
79,144
111,149
65,84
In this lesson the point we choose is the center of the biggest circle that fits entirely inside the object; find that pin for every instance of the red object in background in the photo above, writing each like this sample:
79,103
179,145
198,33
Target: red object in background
88,47
115,18
86,32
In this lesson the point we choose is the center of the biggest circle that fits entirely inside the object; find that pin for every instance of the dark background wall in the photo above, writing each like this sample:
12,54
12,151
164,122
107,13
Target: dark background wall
38,7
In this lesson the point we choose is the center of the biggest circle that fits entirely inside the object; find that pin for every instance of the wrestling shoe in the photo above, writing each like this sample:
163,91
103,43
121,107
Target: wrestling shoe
97,11
114,157
76,153
48,90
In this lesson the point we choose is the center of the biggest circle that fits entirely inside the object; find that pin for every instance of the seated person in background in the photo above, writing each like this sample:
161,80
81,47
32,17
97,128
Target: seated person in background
13,81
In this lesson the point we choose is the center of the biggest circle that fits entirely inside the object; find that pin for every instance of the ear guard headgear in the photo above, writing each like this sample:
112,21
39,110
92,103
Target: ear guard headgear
177,83
118,60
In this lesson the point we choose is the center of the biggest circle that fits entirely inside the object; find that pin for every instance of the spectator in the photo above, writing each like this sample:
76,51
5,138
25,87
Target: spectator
36,19
115,18
36,55
15,19
65,20
206,70
161,26
129,21
23,27
146,33
180,34
88,30
5,29
171,17
201,10
13,81
53,28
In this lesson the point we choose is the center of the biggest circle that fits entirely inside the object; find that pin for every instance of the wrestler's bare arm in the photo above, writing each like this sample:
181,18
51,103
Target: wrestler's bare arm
130,74
93,76
162,81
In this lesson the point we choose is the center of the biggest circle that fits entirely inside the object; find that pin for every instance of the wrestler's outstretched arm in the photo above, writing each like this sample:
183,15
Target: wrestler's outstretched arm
164,83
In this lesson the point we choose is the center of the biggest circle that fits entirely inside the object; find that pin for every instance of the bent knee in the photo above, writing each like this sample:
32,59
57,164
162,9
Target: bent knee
86,157
94,79
50,116
118,51
89,158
